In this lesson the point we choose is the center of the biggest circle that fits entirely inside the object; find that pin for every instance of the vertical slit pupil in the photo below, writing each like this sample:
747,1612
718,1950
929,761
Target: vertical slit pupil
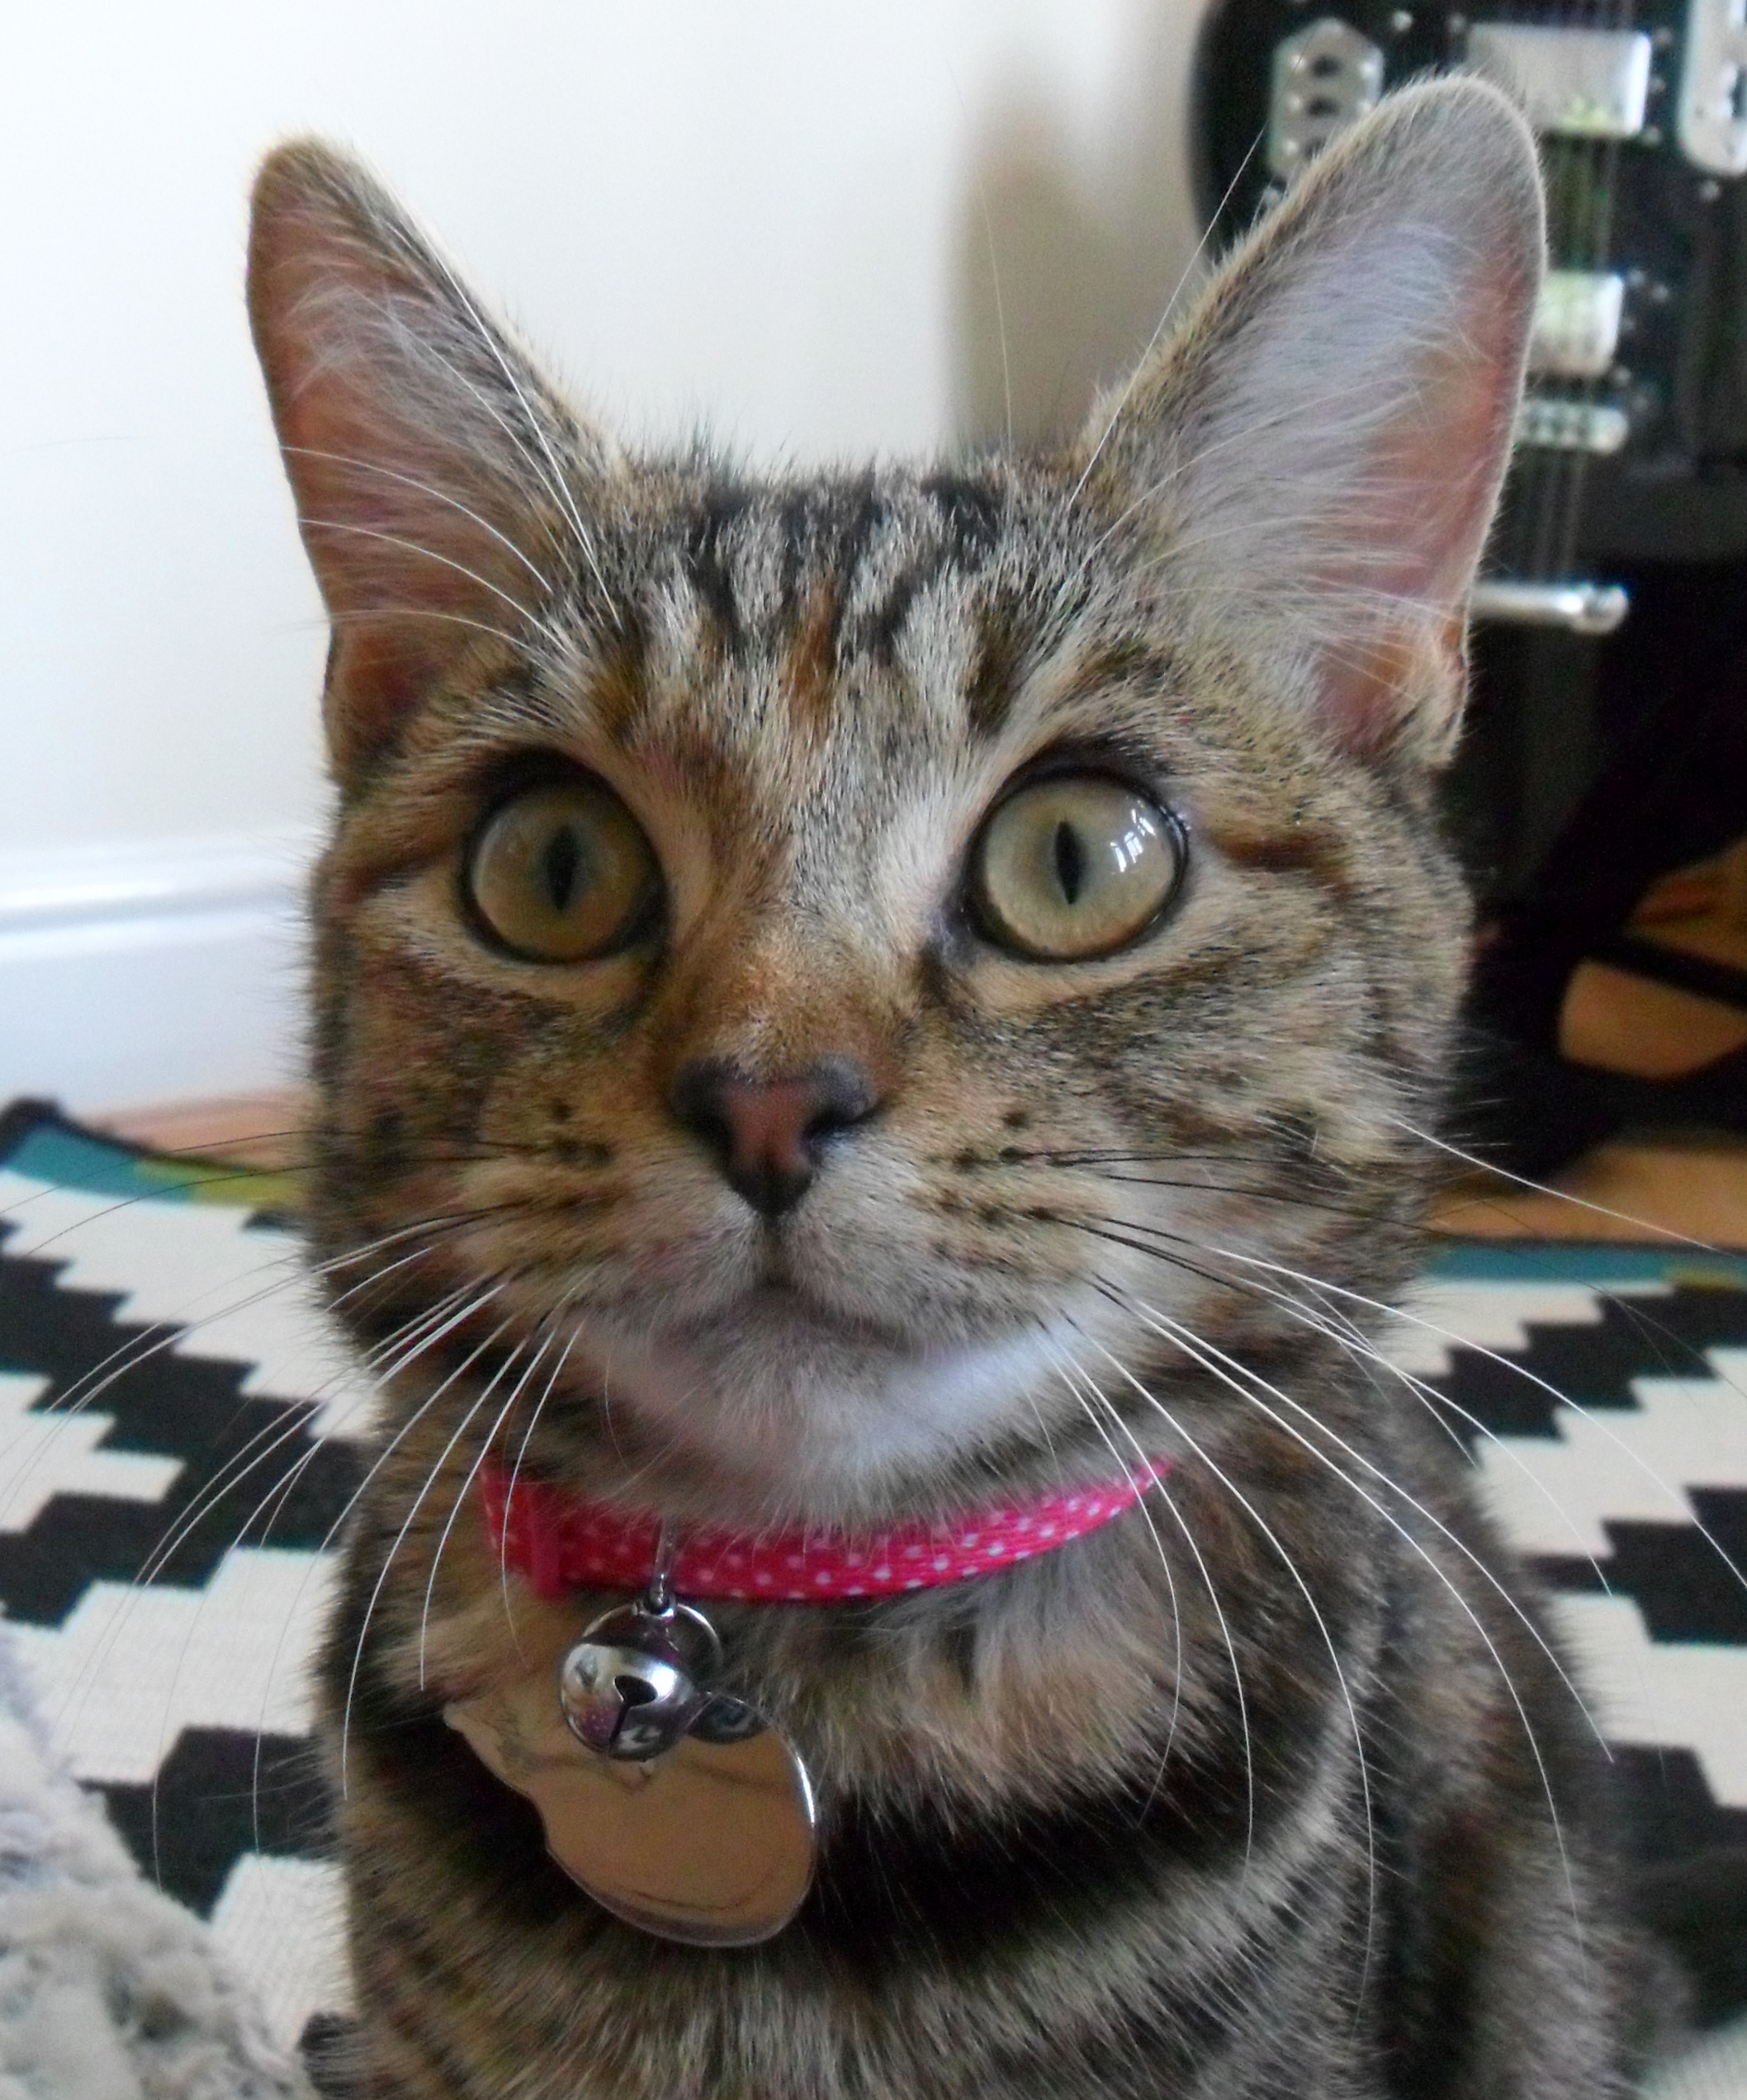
560,866
1070,861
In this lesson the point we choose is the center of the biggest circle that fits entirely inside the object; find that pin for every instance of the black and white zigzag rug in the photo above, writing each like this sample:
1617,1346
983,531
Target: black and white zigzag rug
157,1336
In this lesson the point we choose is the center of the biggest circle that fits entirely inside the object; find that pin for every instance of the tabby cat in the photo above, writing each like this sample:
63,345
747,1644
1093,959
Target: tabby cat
843,1000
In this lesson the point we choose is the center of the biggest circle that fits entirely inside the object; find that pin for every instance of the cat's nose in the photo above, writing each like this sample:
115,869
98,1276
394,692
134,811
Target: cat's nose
768,1133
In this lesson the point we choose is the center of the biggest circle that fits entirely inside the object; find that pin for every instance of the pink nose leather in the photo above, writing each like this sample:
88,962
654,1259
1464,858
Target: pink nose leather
768,1124
768,1134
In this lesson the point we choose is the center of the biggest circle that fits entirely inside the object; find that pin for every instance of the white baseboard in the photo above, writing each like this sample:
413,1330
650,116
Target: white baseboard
153,971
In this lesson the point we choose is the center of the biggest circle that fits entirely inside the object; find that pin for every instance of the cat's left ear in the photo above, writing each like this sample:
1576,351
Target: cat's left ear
441,480
1313,460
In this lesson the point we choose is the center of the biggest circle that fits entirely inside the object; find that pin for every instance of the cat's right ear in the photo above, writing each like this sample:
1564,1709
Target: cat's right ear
436,474
1314,457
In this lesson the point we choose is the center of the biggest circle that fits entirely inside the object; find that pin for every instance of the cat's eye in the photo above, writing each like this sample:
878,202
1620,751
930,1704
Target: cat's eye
561,873
1075,865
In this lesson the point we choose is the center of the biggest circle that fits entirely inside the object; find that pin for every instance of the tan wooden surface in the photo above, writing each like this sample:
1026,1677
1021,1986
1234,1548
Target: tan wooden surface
1696,1190
261,1129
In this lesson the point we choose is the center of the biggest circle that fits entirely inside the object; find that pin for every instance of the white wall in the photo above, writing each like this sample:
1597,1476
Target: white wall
768,214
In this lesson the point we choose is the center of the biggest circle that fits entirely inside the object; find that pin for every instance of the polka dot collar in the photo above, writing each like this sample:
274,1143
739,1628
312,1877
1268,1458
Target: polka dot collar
560,1543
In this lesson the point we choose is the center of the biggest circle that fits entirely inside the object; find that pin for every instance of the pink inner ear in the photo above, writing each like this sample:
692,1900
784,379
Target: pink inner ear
1343,403
1412,531
1428,488
383,483
406,576
411,533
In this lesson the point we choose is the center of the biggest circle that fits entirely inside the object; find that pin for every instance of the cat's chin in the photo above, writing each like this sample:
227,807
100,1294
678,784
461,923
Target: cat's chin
791,1406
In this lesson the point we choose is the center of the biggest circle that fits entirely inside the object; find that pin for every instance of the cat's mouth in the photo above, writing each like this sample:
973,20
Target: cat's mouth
776,1272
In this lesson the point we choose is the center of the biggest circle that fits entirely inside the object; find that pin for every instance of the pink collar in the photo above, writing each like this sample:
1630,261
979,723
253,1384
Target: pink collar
559,1542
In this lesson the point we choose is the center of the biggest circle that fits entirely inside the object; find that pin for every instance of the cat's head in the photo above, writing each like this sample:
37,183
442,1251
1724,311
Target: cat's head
844,977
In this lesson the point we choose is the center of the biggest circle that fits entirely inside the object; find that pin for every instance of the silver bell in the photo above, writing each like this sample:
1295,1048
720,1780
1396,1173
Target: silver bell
630,1687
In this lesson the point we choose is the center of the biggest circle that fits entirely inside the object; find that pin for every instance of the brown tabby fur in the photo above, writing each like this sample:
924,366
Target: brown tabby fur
1274,1785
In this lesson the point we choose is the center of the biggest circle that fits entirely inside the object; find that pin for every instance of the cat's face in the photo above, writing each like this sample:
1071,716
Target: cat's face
840,972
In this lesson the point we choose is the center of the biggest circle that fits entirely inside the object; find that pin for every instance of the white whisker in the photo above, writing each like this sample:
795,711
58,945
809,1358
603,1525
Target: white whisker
1152,341
1292,1568
1069,1375
406,1524
86,1681
425,488
1542,1188
556,486
1635,1458
486,1441
515,1474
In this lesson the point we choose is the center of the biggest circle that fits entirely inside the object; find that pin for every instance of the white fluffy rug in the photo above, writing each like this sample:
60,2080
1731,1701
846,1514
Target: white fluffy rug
108,1990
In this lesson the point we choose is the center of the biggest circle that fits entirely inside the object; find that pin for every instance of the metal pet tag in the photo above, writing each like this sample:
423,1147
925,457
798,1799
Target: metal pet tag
684,1813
